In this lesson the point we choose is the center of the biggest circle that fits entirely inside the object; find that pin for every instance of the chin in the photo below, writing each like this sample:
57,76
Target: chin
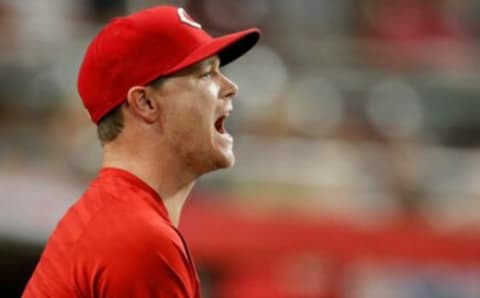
226,161
219,162
231,161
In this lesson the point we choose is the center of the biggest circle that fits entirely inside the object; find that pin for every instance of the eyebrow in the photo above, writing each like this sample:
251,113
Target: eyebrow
212,61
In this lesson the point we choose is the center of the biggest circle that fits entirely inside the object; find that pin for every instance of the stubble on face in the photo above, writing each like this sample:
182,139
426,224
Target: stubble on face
189,118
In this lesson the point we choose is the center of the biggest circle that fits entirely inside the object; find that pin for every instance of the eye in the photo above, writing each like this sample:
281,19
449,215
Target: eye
206,74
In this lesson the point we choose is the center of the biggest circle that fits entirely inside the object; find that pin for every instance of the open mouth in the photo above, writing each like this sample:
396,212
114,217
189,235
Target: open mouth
220,125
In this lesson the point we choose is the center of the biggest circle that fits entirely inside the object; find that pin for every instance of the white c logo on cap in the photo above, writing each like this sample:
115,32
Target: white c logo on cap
184,17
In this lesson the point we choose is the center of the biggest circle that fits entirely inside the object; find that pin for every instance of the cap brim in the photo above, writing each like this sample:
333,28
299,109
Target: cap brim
228,48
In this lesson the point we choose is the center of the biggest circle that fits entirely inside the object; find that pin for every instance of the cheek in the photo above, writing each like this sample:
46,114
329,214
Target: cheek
188,123
213,90
202,107
191,115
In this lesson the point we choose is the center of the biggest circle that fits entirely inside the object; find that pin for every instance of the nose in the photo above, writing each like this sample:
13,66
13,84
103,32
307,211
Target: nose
229,88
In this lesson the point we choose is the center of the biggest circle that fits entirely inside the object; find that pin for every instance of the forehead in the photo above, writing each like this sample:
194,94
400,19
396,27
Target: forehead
213,61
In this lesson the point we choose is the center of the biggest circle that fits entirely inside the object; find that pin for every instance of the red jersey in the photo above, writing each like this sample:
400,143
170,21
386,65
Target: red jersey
116,241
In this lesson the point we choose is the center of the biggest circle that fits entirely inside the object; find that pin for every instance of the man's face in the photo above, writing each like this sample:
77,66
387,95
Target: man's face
196,102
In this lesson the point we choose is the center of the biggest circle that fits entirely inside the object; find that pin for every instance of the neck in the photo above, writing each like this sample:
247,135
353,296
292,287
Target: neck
165,175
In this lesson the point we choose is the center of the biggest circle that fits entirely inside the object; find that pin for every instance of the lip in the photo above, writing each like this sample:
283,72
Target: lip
228,137
224,140
222,135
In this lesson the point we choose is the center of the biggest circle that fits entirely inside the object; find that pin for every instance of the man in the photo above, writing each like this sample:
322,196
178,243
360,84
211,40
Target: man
152,83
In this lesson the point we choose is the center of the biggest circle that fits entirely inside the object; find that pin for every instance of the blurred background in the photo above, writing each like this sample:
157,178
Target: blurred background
356,133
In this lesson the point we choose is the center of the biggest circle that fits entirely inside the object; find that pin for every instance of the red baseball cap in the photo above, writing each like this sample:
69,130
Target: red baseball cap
136,49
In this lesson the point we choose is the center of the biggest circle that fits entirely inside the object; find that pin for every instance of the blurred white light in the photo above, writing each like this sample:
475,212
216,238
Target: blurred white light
47,8
314,105
395,109
42,20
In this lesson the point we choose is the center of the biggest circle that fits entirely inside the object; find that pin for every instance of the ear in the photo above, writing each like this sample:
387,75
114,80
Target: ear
141,105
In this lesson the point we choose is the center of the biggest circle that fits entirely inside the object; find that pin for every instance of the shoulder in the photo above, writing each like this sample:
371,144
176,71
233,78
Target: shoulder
120,217
125,227
132,254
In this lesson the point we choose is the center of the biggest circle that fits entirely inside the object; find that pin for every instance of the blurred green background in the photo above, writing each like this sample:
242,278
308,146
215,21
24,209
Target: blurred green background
356,133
